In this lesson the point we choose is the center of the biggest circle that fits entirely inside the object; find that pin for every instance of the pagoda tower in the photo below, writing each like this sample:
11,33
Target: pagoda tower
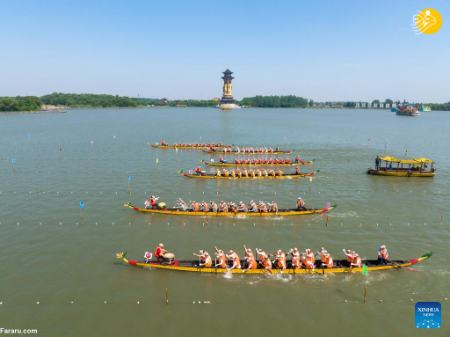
227,102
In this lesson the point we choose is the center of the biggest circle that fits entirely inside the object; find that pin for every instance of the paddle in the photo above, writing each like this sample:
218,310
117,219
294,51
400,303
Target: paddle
365,270
325,211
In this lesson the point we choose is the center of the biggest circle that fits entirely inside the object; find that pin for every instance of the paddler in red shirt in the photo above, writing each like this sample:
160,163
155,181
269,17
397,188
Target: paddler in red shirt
159,252
153,201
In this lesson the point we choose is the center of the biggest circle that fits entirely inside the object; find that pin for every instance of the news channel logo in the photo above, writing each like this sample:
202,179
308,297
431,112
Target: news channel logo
428,315
427,21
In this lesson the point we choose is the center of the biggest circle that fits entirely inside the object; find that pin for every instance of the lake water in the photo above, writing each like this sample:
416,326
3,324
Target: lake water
64,259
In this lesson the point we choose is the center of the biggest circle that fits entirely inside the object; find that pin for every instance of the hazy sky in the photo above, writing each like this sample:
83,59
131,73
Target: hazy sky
324,50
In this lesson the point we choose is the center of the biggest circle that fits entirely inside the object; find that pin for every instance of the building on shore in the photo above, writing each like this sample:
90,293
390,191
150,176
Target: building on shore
227,101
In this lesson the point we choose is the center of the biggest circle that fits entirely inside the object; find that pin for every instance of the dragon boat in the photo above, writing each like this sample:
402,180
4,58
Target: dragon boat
249,177
196,146
229,151
280,213
340,266
237,163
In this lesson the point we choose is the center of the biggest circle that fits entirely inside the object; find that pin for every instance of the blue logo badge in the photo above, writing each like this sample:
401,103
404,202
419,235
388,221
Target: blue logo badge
428,315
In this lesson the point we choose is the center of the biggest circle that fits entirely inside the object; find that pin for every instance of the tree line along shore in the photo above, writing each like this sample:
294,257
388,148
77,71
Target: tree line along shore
34,103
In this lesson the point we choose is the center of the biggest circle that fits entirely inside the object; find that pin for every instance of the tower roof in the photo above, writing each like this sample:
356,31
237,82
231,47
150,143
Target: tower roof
228,72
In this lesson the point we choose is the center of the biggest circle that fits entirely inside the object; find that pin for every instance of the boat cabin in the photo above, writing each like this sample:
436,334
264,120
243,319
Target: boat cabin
392,166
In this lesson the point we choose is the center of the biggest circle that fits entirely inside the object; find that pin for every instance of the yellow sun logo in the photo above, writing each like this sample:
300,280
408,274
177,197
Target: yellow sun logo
427,21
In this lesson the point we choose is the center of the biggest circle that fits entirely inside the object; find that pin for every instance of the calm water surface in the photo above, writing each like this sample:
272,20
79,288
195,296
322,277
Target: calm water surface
64,258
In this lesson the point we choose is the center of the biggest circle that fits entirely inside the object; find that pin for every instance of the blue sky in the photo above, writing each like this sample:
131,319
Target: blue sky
324,50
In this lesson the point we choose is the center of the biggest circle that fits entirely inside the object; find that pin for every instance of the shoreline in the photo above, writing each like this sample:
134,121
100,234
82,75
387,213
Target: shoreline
185,107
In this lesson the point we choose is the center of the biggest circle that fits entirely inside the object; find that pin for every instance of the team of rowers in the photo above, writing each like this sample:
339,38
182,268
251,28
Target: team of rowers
270,161
238,173
210,145
223,206
277,260
238,149
226,207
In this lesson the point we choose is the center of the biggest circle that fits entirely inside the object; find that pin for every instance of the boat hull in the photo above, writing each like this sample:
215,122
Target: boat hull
285,176
190,266
281,213
400,173
410,114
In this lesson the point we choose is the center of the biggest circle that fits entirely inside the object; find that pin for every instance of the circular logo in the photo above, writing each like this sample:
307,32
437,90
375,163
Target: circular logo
428,21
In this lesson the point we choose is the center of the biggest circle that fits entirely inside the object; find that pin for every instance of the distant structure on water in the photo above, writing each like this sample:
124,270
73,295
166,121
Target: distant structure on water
227,101
388,104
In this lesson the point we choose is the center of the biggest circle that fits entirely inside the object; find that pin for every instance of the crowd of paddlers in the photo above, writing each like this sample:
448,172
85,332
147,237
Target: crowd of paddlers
222,206
238,173
245,149
268,261
269,161
193,145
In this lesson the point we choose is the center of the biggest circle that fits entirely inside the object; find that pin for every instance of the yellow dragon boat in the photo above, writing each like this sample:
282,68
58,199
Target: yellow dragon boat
256,177
396,167
188,146
258,163
280,213
247,153
340,266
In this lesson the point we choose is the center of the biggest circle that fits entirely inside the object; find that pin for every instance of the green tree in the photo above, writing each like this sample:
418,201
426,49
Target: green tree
349,105
290,101
27,103
440,106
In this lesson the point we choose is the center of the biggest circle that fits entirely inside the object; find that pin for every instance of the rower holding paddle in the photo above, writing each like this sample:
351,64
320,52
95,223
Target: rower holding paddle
357,262
281,259
296,260
300,204
273,207
353,258
383,255
264,260
221,260
325,258
308,259
249,259
348,253
236,262
204,259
